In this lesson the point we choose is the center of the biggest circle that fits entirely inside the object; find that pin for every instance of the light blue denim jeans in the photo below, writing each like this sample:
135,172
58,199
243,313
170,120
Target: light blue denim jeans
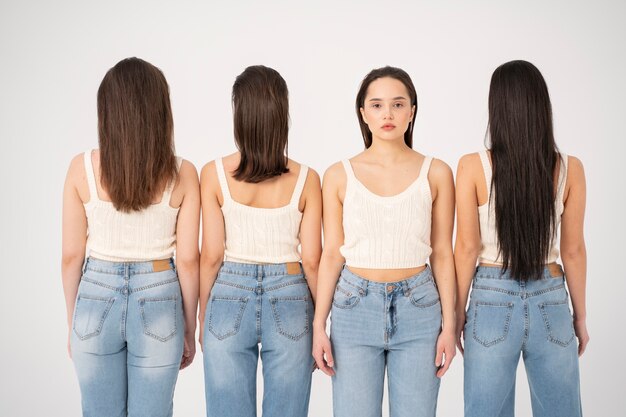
127,338
250,305
508,317
385,325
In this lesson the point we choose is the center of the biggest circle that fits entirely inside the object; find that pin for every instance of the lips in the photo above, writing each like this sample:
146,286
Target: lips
388,126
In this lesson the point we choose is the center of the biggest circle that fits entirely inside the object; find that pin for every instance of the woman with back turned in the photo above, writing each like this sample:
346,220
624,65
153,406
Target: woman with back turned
512,201
132,204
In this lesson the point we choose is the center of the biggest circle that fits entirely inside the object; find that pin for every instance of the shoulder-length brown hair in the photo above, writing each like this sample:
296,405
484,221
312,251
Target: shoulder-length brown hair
391,72
135,130
261,123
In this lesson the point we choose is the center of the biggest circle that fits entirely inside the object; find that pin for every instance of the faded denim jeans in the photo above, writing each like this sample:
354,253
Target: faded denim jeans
392,326
127,338
507,318
266,309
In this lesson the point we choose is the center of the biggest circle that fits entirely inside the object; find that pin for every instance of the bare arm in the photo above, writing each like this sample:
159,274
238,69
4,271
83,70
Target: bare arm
330,264
442,259
573,251
187,254
74,238
311,230
212,253
467,246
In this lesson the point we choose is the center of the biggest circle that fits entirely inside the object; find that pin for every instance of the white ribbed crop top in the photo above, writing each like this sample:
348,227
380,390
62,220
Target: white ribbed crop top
487,216
387,232
149,234
261,235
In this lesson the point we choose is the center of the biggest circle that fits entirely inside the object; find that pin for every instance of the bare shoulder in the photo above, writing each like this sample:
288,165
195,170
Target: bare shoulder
312,178
188,175
439,171
334,175
575,171
208,171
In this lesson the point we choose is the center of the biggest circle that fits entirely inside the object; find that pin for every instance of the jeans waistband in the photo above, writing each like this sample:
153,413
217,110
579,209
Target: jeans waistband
404,285
261,270
117,268
550,271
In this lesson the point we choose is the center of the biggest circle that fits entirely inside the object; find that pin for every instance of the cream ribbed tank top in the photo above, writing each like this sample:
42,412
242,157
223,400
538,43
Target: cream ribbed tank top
387,232
146,235
487,216
261,235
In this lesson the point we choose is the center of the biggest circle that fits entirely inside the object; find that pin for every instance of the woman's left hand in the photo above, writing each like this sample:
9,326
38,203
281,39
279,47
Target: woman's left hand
446,349
189,349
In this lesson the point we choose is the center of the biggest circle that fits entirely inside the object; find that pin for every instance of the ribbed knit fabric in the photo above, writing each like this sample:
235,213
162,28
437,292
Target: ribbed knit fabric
387,232
261,235
113,235
487,216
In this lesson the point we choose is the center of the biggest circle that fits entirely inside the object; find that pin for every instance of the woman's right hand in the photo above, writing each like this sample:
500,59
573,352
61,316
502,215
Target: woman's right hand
322,351
460,326
580,328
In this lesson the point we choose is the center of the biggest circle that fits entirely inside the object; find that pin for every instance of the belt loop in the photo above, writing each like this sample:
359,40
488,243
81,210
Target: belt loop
405,288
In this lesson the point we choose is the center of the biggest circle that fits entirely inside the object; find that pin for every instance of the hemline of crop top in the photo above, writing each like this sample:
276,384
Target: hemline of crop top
136,236
387,232
256,235
487,216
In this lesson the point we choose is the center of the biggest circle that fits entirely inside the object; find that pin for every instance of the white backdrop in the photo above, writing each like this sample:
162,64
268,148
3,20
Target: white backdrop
54,55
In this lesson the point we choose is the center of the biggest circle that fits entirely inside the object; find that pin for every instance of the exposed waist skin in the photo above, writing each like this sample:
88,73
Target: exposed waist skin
386,275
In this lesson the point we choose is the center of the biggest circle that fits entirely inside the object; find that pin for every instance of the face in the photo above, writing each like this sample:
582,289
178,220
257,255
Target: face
387,110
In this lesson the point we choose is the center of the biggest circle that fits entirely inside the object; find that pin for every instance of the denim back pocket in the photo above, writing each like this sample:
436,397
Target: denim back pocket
159,317
491,322
89,315
345,298
291,315
558,322
225,315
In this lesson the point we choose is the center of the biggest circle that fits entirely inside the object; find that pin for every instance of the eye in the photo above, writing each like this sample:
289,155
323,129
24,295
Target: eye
376,105
398,105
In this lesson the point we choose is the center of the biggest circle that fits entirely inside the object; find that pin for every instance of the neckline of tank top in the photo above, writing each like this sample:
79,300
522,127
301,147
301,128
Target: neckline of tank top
91,176
401,194
290,204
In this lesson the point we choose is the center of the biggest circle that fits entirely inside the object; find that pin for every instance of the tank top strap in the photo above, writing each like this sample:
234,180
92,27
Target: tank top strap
91,177
347,166
167,193
297,191
484,159
221,177
428,160
562,178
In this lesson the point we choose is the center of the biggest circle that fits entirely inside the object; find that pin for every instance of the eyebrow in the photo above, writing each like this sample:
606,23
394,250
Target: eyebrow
395,98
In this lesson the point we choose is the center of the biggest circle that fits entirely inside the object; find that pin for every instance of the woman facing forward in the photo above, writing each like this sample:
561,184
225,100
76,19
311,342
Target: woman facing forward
387,211
511,201
258,206
132,204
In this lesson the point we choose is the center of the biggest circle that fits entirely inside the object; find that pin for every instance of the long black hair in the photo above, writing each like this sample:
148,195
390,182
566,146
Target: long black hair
524,157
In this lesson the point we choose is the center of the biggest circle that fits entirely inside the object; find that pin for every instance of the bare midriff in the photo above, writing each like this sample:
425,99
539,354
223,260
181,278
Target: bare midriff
386,275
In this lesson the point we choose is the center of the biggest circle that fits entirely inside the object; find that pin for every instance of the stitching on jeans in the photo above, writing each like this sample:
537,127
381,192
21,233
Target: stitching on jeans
547,290
100,284
546,321
243,302
157,284
285,284
232,284
297,337
484,287
96,332
507,321
146,323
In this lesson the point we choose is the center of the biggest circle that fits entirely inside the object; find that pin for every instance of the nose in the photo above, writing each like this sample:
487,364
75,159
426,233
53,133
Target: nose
388,113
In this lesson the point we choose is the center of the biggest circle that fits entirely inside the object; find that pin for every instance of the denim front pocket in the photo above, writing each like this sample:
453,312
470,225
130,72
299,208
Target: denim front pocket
424,296
344,299
159,317
225,315
291,315
89,315
491,322
558,322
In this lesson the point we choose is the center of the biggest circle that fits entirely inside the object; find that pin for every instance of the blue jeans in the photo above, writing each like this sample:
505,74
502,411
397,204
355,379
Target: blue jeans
506,318
127,338
252,304
393,325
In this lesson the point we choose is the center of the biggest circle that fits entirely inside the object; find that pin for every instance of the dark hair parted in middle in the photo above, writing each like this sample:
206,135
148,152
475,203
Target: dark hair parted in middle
375,74
135,129
524,157
261,123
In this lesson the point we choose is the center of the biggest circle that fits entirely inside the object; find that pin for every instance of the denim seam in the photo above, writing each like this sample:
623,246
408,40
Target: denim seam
546,321
105,313
284,284
109,272
243,301
100,284
484,287
232,284
546,290
424,305
254,274
273,302
506,322
429,280
146,324
156,284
